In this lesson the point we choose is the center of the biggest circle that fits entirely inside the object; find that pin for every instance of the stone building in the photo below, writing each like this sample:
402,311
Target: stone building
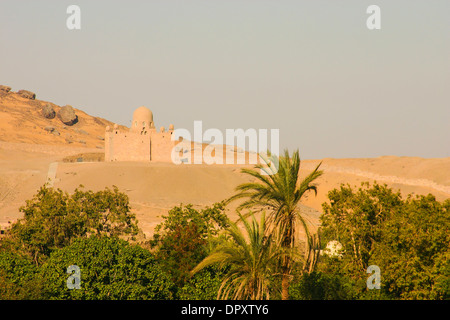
142,142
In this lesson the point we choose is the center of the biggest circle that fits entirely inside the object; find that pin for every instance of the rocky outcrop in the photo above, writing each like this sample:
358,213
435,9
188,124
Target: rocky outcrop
27,94
5,89
48,111
67,115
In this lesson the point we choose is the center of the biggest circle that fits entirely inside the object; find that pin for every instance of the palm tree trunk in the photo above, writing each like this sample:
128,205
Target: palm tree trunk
286,265
285,286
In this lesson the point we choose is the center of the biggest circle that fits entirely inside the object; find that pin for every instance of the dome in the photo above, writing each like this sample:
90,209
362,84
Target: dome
142,118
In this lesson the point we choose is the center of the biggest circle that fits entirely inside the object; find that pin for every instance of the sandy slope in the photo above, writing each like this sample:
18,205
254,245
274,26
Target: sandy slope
405,174
27,152
21,121
154,188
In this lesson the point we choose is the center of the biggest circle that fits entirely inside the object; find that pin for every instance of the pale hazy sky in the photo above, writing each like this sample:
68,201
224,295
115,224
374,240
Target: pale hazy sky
312,69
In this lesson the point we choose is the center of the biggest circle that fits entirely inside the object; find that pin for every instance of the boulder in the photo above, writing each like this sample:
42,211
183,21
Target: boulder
5,89
49,129
67,115
48,112
27,94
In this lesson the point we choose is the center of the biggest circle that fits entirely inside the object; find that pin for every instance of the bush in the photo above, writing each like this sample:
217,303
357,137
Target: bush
111,269
407,239
181,241
204,285
18,278
54,219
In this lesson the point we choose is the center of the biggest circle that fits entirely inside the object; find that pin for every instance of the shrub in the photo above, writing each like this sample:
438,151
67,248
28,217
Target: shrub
110,268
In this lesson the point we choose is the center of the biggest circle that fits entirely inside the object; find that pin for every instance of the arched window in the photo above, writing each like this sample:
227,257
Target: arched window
143,123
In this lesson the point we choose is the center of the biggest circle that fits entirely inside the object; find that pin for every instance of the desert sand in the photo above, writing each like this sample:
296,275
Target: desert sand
154,188
28,152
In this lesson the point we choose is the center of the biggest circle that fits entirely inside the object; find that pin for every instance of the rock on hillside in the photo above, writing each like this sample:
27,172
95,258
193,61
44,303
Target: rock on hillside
5,89
67,115
23,120
27,94
48,111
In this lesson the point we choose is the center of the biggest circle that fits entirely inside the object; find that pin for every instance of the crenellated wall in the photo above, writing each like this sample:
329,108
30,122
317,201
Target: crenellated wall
161,146
138,146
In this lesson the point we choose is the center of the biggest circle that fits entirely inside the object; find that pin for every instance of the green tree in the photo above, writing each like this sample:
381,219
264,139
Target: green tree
53,219
279,189
251,260
318,286
18,279
204,285
356,220
407,239
181,241
415,249
110,269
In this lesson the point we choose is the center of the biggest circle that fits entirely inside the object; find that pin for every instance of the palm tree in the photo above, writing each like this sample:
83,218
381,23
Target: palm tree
251,259
278,189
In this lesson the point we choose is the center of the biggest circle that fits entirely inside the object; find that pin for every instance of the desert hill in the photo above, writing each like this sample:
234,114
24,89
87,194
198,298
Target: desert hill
22,120
29,155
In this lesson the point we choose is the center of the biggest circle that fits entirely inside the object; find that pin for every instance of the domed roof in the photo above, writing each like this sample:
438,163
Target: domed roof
143,114
142,118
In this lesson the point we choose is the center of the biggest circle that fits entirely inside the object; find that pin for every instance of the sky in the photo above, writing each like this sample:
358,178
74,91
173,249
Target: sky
311,69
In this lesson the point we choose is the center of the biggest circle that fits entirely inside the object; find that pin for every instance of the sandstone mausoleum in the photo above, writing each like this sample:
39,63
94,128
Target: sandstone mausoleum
142,142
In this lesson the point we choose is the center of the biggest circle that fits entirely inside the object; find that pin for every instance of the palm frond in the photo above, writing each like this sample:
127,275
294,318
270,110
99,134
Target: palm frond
277,189
251,257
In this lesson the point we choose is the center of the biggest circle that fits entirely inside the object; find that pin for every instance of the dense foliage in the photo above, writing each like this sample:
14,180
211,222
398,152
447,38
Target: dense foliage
18,277
54,219
110,269
407,238
183,238
203,285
